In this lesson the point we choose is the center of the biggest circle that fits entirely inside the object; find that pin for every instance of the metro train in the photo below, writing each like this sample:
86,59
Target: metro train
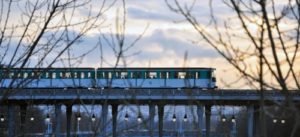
203,78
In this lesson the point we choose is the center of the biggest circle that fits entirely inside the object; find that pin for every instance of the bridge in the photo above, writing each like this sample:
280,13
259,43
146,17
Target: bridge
203,99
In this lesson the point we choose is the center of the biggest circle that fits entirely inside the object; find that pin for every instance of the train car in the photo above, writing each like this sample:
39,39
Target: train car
156,77
47,77
108,78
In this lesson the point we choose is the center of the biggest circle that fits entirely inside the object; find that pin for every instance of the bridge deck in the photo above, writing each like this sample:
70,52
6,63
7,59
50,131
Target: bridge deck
143,96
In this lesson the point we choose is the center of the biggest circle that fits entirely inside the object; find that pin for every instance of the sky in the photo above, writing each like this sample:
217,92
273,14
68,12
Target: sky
164,43
167,40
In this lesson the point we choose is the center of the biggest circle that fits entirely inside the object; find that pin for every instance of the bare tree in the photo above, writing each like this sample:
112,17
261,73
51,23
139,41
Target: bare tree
40,33
37,34
259,38
117,42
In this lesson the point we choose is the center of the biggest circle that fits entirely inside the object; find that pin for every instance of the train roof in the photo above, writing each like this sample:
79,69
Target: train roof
120,69
158,68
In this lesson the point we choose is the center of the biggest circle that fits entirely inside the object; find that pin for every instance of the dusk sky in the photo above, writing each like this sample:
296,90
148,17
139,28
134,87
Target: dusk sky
165,41
168,40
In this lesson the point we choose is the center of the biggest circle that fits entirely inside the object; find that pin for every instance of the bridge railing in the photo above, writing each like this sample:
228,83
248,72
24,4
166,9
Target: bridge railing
145,92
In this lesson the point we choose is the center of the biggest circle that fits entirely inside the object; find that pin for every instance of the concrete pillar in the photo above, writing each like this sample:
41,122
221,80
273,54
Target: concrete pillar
11,120
151,119
250,128
233,130
23,109
160,120
207,119
69,117
114,119
57,120
257,122
104,119
200,112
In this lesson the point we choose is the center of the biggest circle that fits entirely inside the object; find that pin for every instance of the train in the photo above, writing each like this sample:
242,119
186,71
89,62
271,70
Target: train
203,78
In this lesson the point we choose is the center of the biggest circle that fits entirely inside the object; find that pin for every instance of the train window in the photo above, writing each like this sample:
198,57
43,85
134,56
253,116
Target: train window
167,75
89,75
209,74
117,75
25,75
190,75
11,75
38,75
101,75
42,74
32,75
50,75
124,75
18,75
199,75
152,75
46,74
75,75
93,74
203,74
162,75
109,75
175,74
4,74
53,75
130,75
136,75
68,74
60,75
146,75
140,75
82,75
78,74
133,74
105,75
181,75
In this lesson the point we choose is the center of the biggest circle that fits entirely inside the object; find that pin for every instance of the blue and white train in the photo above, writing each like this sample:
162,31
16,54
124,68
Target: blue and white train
108,78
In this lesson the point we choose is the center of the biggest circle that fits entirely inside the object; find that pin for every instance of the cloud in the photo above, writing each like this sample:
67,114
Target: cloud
166,44
138,13
158,47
